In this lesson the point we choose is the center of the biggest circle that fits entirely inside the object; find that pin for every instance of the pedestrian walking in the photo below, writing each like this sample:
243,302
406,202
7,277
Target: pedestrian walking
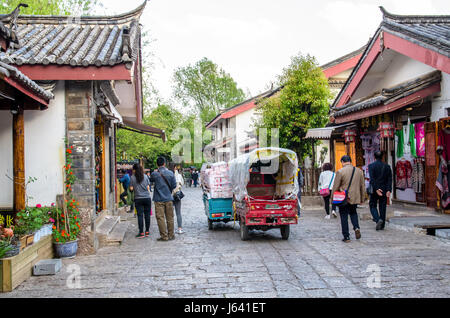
326,181
140,185
177,202
195,177
165,183
125,180
380,188
348,192
301,182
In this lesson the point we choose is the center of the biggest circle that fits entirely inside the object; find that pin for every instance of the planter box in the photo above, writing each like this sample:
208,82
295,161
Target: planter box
15,270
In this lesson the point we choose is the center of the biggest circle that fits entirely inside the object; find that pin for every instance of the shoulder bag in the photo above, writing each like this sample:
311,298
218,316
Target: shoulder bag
340,198
326,192
178,195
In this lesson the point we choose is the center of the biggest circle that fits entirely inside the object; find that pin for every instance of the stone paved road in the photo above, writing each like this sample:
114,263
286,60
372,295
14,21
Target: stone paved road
201,263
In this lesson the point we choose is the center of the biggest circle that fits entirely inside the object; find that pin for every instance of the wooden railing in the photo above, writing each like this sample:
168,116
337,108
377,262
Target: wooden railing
310,181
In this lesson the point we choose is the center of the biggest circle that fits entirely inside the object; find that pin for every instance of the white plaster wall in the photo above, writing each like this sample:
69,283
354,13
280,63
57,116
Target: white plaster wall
6,160
394,69
244,124
441,103
45,150
126,93
324,143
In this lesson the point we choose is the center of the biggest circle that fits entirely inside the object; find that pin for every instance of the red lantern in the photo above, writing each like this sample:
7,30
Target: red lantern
349,135
386,130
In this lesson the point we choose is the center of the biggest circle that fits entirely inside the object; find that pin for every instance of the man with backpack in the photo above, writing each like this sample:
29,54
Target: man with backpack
348,192
165,183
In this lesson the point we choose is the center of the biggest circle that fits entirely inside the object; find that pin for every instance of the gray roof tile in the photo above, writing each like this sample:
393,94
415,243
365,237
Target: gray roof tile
14,73
86,41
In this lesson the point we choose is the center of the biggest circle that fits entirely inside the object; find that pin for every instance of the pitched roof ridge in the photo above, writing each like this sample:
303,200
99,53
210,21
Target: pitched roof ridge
122,18
343,58
414,18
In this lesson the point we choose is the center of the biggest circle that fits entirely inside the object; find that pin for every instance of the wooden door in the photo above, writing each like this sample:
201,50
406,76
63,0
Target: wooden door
340,151
431,165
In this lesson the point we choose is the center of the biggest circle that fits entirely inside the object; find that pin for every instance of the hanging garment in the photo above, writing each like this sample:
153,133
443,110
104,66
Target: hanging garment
404,175
420,139
444,144
400,143
442,184
412,141
418,175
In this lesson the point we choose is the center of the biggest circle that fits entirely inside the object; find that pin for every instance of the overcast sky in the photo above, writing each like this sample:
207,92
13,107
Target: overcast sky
253,40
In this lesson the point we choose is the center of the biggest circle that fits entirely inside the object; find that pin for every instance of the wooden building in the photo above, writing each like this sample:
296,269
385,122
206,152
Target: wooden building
397,100
92,67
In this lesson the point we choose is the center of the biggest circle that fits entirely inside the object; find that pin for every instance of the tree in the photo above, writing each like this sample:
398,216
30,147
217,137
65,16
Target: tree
205,89
301,104
50,7
137,145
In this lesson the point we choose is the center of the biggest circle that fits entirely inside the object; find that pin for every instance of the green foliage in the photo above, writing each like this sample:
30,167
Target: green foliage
5,247
301,104
205,89
50,7
136,145
31,219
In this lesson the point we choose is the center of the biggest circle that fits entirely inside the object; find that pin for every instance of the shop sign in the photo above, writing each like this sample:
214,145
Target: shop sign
386,130
6,218
349,135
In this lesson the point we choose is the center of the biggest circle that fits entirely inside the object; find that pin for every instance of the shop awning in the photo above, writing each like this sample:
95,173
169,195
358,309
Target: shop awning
143,129
322,133
390,99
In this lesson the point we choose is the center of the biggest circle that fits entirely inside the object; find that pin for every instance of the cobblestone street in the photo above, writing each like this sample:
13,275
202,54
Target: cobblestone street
202,263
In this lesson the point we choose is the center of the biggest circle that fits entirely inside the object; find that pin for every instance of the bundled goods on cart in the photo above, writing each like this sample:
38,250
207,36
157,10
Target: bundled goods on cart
216,181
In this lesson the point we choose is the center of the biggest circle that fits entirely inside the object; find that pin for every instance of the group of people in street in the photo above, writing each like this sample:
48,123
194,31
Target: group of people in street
351,181
166,184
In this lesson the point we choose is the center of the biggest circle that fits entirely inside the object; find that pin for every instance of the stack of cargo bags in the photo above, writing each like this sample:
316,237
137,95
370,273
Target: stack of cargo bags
216,181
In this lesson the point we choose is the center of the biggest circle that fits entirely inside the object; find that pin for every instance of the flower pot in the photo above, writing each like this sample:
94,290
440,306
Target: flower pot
23,242
30,239
15,251
66,250
37,236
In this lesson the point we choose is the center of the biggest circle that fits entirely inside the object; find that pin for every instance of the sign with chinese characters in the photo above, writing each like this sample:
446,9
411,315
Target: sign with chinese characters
6,218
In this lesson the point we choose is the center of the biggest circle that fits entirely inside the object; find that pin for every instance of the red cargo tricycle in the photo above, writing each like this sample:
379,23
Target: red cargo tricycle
265,191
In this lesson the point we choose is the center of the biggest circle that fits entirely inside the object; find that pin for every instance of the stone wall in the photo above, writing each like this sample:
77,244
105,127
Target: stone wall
80,118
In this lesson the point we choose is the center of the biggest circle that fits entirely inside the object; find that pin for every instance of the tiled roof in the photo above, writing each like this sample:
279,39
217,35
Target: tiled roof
13,73
432,31
245,105
389,95
84,41
343,58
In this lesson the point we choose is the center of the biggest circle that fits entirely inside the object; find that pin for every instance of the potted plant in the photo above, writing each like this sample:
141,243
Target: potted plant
10,245
66,227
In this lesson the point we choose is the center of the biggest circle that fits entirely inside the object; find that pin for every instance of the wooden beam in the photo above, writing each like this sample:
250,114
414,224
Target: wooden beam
19,160
70,73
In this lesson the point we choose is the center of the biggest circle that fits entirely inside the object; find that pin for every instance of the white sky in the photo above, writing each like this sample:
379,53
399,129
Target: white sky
253,40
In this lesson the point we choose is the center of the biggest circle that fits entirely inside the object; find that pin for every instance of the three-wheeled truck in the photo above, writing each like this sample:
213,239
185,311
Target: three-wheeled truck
265,190
218,206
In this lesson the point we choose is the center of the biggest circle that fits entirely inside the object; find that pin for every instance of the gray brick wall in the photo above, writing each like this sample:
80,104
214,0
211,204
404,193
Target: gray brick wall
80,119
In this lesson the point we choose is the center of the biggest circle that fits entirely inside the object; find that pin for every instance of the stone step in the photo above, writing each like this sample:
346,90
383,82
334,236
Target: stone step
443,233
117,235
107,225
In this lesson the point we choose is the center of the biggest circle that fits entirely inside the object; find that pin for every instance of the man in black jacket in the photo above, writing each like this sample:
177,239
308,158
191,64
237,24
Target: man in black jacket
380,175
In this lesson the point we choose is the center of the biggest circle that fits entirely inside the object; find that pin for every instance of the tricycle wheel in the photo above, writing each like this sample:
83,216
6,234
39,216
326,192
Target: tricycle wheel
210,225
244,232
285,230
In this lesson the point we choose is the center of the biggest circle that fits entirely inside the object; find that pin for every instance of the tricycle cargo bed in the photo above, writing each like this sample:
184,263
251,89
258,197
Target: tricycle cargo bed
220,205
